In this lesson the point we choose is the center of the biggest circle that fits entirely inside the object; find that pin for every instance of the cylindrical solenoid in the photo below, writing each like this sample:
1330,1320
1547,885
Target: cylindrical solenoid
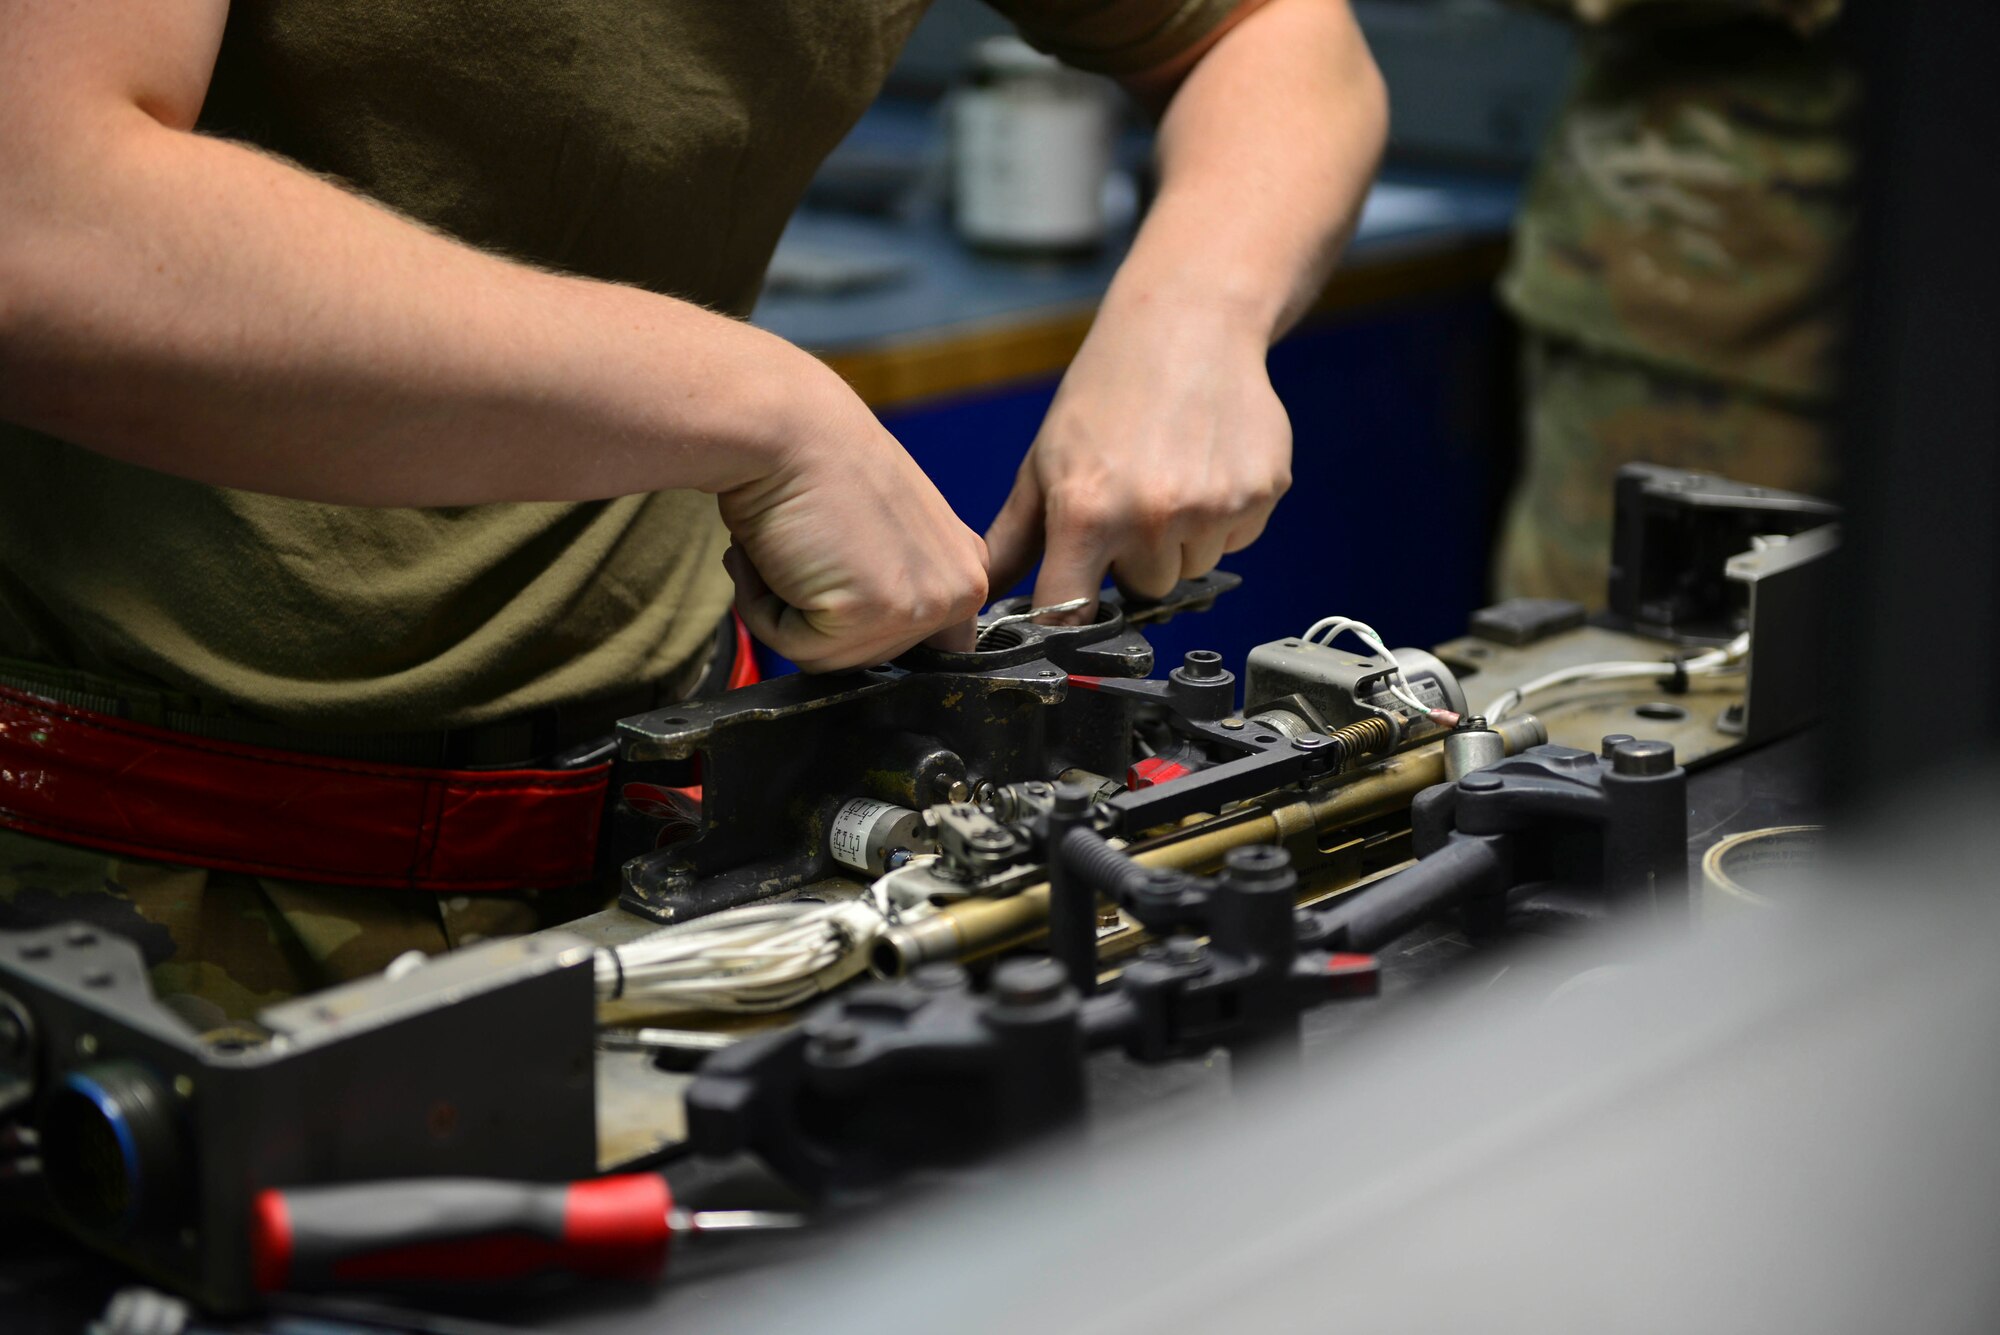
865,833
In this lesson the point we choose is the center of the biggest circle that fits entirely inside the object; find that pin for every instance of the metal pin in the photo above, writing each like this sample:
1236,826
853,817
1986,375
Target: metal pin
735,1221
663,1040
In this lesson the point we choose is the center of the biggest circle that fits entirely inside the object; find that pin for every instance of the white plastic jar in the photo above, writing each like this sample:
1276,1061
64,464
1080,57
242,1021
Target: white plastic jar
1031,150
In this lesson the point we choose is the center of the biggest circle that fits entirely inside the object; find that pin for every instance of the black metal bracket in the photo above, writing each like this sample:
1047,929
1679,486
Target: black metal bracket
777,759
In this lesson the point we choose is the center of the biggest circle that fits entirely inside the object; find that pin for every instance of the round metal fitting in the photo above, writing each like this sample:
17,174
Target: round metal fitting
1201,665
1479,782
1311,741
1029,982
1469,749
1186,950
111,1147
1642,759
1612,742
1233,724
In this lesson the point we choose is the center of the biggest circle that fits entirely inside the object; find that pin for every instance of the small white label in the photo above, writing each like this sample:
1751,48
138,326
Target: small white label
849,839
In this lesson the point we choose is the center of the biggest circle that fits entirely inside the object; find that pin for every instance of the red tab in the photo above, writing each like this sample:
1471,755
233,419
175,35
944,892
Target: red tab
1353,975
1154,771
270,1242
744,671
85,778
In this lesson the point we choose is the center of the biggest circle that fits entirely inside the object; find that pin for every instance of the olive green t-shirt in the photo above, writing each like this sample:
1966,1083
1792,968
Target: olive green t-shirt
656,142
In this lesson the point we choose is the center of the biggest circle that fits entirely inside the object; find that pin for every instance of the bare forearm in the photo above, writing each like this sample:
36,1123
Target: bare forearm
1166,447
197,307
1266,150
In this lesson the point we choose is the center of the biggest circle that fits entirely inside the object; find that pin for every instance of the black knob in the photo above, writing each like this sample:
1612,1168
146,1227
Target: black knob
1259,867
1635,759
1029,982
111,1147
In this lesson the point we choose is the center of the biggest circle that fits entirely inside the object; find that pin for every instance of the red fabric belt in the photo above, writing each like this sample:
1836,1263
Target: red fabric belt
103,782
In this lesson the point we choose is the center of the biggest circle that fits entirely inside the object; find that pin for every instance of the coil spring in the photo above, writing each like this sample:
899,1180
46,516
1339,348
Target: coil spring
1367,737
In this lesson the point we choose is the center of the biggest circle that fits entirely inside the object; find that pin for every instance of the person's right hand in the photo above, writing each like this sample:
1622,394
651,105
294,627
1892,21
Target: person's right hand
845,554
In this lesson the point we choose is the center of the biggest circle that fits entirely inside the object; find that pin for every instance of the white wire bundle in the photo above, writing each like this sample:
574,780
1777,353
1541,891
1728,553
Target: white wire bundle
762,957
1328,629
1715,661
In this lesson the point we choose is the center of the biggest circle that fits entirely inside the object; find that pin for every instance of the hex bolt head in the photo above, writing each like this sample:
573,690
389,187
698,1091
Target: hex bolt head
1642,759
837,1038
1029,982
1159,886
940,976
1201,665
1613,741
1479,781
1258,866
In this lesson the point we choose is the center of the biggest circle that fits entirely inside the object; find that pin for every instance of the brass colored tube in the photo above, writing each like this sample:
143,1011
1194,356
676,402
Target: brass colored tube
978,927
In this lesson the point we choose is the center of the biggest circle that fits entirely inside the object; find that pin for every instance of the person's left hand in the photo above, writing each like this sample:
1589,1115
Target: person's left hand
1165,449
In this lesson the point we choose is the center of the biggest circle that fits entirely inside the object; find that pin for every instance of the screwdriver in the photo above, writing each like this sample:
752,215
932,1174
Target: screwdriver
470,1233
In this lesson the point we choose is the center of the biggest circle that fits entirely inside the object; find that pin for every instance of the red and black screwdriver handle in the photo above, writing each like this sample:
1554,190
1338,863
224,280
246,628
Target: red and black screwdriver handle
464,1233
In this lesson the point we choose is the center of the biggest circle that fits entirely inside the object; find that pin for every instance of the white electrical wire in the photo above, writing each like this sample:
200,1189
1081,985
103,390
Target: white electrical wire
1328,629
1726,659
761,957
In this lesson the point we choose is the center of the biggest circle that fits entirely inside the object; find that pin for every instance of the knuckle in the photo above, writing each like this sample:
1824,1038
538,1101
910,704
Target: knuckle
1156,509
1091,513
1218,506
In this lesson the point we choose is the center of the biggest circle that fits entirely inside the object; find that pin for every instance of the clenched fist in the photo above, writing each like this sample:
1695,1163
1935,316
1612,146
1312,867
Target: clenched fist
1165,449
845,554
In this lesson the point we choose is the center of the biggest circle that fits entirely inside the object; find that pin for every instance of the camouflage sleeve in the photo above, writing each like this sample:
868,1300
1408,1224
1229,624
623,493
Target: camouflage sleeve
1692,207
1804,15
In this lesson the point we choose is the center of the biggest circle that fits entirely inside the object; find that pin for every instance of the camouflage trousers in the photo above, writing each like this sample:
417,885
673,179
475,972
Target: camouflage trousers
222,945
1589,412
